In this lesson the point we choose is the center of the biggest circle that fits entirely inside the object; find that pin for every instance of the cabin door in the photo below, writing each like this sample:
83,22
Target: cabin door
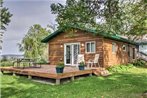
71,52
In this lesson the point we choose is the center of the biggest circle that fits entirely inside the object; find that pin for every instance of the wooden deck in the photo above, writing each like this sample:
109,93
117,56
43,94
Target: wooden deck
48,71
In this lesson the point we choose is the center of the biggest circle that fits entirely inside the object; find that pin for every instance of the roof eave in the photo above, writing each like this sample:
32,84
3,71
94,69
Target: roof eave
48,38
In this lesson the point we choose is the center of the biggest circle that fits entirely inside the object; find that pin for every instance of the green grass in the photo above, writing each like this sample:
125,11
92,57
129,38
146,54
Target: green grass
130,84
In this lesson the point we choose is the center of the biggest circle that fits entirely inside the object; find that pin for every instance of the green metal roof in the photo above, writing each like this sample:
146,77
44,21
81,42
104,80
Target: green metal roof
105,35
49,37
142,43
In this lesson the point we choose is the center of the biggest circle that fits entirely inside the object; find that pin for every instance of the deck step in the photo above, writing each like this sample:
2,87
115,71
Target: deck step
101,72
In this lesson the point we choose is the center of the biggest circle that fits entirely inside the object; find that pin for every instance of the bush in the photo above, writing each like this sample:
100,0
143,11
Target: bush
82,64
43,61
60,65
140,63
6,63
120,68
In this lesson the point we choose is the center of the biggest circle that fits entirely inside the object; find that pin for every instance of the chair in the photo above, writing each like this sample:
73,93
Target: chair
94,62
81,58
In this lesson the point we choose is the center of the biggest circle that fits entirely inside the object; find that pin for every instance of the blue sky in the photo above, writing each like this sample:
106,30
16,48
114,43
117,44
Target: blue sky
25,14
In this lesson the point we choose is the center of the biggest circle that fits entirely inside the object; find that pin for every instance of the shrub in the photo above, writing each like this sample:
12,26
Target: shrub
120,68
41,61
140,63
60,65
24,64
81,64
6,63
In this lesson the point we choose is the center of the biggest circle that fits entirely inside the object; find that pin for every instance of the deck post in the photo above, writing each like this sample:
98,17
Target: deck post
57,81
90,74
14,74
72,78
29,77
2,72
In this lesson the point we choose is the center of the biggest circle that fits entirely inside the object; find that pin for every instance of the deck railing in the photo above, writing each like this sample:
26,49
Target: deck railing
142,56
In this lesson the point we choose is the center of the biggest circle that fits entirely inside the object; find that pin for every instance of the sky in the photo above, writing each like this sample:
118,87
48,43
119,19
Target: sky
25,14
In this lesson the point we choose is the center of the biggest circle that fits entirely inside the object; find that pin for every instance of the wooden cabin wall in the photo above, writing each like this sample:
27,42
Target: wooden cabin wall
118,57
56,45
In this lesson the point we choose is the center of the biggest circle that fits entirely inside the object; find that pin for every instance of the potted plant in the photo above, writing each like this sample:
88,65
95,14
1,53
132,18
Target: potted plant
60,67
81,66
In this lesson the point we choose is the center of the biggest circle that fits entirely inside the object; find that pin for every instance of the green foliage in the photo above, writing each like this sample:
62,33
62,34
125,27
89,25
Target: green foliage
115,16
60,65
140,63
6,63
11,63
75,11
4,58
135,18
81,64
120,68
43,61
5,16
25,64
31,43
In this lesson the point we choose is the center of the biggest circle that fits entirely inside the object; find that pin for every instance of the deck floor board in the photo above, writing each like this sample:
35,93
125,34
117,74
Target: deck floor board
48,71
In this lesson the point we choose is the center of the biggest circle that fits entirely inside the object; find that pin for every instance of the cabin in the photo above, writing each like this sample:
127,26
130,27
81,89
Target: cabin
142,50
65,45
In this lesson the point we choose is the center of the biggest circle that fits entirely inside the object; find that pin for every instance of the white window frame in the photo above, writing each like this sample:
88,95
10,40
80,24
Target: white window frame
124,47
115,47
90,46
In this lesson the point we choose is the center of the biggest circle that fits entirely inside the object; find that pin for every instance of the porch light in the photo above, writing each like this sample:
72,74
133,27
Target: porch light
82,45
61,46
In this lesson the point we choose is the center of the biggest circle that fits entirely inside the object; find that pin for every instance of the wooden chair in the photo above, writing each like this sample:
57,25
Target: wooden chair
94,62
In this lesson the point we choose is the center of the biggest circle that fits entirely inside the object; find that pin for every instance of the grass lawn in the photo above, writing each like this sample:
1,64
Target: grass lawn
129,84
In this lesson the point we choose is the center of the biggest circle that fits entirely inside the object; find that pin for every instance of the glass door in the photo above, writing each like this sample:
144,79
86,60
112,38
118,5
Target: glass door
76,49
71,52
68,55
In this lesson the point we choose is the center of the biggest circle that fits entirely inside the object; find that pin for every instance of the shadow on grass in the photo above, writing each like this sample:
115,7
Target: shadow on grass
144,66
116,86
18,87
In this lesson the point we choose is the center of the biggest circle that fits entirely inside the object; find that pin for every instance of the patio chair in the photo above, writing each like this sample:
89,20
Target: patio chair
94,62
81,58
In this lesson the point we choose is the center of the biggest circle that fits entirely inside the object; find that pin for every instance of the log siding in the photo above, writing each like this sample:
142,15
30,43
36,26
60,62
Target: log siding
103,47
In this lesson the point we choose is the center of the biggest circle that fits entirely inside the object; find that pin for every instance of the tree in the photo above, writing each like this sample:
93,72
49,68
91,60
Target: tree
5,16
116,16
31,43
74,12
136,19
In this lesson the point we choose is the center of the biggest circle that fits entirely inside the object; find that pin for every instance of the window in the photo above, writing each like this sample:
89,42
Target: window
133,53
124,48
114,47
90,47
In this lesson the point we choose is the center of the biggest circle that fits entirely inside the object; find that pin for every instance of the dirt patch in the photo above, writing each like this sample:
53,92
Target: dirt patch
144,94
